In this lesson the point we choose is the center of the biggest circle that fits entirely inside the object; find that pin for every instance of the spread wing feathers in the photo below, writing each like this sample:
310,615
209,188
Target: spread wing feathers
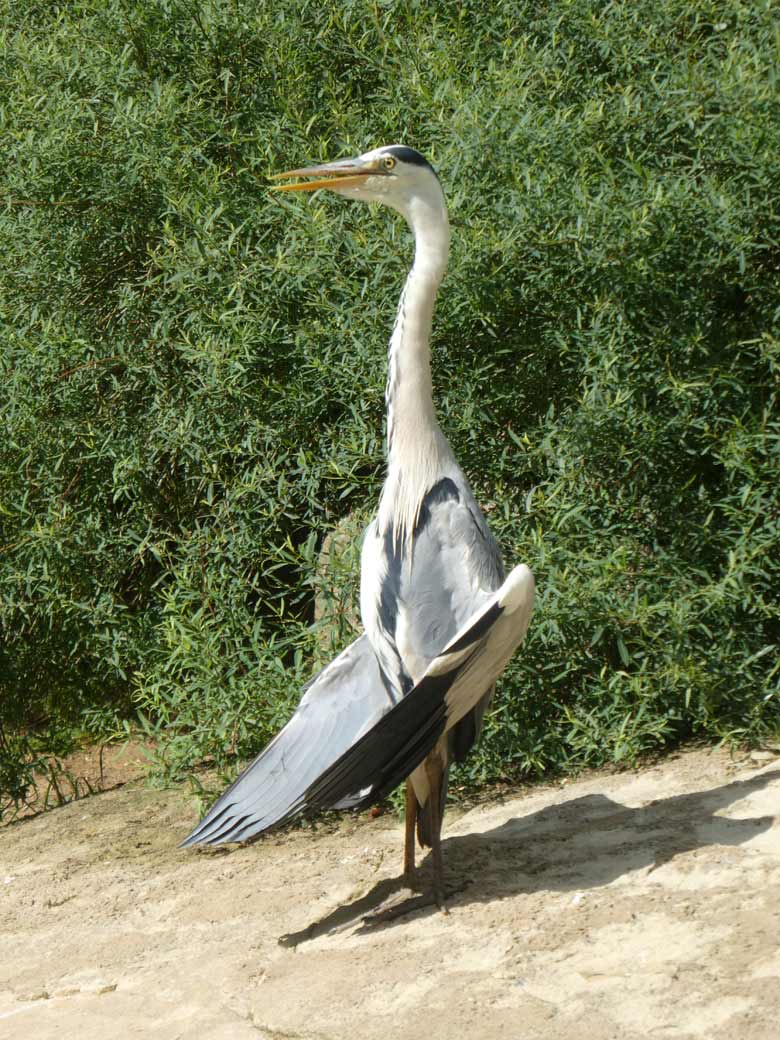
452,684
347,745
339,705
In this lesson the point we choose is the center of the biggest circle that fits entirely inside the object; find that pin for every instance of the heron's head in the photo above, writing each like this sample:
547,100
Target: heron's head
394,175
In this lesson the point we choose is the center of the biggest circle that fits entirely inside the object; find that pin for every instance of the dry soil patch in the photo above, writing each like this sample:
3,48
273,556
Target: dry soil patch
635,905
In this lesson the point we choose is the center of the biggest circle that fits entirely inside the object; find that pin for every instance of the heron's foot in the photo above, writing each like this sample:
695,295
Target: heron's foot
440,895
403,904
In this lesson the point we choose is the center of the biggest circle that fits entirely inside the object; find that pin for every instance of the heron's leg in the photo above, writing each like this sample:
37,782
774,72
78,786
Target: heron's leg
410,821
434,767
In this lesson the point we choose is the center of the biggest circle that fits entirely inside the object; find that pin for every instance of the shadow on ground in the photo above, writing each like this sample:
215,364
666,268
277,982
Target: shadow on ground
582,843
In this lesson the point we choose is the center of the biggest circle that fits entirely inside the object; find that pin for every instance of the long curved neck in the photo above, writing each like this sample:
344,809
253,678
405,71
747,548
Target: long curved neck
416,448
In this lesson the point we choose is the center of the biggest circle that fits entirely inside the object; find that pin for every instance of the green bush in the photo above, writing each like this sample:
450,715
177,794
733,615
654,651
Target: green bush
193,369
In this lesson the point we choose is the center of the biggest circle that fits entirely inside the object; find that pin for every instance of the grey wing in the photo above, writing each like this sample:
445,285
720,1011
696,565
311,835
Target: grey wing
455,567
396,744
339,705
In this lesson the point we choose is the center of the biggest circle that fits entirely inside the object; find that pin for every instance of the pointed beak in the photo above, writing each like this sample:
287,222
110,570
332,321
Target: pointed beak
344,174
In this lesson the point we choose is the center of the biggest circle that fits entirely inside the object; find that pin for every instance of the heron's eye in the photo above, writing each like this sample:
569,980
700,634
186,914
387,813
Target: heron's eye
388,162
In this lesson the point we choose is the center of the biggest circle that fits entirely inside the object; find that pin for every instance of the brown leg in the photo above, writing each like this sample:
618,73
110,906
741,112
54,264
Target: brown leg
435,771
410,823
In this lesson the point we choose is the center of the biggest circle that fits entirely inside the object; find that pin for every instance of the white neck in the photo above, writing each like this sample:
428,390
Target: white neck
417,450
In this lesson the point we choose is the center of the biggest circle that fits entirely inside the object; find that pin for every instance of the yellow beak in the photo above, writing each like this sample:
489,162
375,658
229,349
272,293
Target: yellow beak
342,174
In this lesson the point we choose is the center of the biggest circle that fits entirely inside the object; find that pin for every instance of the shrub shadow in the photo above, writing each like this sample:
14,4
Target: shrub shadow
581,843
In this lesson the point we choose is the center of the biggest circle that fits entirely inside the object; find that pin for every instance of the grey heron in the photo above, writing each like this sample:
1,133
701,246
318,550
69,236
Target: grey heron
441,620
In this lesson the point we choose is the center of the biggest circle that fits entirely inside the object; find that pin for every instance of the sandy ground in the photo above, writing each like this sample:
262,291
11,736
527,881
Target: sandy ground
633,905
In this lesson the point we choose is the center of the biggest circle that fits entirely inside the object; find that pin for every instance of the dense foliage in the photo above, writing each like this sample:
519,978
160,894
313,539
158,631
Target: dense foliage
193,368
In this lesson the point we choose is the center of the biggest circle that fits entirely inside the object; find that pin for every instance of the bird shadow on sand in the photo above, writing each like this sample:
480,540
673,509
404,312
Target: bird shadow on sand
581,843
